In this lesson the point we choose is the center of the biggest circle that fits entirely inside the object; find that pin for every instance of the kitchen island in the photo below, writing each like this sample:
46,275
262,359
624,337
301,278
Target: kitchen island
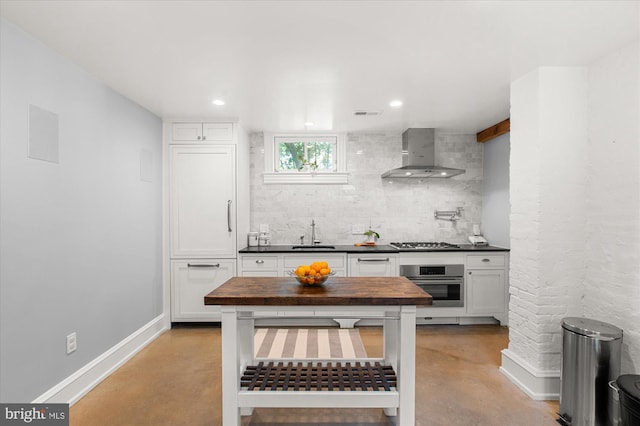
392,299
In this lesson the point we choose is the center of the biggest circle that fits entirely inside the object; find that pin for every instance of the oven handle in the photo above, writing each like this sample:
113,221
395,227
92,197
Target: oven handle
422,280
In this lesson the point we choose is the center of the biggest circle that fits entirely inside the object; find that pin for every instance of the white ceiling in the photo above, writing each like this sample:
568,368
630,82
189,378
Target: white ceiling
281,63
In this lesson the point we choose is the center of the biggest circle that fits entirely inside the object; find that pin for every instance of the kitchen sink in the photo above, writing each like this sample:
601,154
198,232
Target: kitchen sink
316,247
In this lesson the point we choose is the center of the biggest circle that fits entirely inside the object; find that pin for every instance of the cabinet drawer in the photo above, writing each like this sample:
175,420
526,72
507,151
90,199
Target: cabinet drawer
264,273
334,261
488,261
373,265
193,279
259,263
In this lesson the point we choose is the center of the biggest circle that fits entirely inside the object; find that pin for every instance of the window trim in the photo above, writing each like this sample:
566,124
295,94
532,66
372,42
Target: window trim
273,176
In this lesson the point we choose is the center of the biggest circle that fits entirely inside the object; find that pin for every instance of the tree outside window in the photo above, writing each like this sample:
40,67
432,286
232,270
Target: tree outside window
310,154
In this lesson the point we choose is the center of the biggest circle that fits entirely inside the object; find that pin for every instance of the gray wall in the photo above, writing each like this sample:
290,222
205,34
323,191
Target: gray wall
81,238
495,191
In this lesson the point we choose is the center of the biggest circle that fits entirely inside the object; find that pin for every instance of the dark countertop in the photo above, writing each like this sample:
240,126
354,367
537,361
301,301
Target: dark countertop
365,249
470,247
338,249
281,291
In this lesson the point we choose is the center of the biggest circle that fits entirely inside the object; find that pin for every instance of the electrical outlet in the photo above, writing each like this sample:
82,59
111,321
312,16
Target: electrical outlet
357,229
72,343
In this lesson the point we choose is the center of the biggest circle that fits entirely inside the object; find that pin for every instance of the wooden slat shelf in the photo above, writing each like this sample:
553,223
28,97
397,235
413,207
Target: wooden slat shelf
318,376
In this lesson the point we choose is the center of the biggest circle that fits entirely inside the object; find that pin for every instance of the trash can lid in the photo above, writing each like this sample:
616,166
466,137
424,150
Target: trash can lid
630,384
592,328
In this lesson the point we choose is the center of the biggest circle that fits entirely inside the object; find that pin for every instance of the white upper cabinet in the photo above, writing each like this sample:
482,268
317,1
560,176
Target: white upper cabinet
203,201
201,132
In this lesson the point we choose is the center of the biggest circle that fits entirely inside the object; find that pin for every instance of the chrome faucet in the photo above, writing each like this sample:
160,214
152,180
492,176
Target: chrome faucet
313,233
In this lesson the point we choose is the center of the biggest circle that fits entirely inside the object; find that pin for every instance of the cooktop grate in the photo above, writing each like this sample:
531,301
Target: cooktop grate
424,245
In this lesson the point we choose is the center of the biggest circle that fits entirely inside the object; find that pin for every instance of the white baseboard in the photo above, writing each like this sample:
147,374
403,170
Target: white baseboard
74,387
538,384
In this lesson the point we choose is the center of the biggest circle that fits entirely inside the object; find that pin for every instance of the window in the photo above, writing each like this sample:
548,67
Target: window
306,154
305,159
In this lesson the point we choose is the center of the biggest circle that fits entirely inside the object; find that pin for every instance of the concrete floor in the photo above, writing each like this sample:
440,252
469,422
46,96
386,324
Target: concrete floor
176,381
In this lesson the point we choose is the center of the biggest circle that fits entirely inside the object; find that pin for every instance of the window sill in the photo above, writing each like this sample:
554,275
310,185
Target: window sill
336,178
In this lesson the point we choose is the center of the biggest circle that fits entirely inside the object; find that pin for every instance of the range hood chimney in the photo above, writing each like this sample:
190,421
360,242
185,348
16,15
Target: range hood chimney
418,157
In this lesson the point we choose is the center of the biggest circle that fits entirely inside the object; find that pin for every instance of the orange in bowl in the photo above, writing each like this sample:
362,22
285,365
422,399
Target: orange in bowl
312,275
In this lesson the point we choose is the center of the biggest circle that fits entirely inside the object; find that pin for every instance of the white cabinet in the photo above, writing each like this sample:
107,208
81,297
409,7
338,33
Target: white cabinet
202,201
486,261
207,209
259,266
373,265
191,280
486,292
201,132
486,285
278,264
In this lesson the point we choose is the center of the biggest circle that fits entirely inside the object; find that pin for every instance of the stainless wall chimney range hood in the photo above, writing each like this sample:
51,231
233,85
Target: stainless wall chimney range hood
418,157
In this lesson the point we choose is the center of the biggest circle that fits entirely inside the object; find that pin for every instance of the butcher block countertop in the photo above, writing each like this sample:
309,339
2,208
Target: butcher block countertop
286,291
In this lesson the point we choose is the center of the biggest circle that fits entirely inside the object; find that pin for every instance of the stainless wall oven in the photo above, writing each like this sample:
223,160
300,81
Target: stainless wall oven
444,282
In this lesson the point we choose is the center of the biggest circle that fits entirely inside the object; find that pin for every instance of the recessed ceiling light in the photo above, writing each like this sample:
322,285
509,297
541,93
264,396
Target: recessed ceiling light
443,173
308,123
218,102
395,104
407,173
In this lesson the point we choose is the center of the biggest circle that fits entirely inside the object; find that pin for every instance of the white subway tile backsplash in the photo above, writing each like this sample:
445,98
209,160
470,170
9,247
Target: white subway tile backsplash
402,211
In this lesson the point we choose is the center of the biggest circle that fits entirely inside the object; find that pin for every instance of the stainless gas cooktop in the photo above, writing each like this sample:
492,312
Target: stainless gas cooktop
424,245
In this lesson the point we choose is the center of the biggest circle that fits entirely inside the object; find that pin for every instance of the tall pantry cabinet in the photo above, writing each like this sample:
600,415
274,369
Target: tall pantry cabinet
208,211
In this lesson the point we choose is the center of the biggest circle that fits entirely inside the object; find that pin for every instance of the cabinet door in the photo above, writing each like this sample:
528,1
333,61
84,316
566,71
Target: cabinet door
202,193
486,292
191,280
186,132
212,132
373,265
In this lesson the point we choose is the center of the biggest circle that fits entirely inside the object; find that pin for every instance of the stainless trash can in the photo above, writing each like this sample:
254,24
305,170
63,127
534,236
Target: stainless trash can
629,391
590,360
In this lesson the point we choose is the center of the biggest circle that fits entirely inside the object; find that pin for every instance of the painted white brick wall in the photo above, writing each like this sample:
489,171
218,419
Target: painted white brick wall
548,191
399,211
612,282
575,205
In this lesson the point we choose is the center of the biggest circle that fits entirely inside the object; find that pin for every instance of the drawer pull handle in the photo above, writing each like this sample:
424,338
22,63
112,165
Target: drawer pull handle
373,259
203,265
259,261
486,260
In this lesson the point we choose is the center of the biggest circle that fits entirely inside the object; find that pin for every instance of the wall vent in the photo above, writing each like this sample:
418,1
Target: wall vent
362,113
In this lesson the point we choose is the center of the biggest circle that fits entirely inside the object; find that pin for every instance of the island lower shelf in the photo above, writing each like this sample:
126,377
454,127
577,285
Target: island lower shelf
319,384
